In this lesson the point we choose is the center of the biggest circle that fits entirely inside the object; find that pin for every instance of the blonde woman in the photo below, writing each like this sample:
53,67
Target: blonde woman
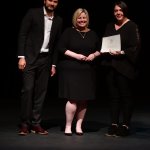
79,46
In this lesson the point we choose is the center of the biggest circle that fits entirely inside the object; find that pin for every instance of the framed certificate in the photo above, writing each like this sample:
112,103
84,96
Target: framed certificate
111,43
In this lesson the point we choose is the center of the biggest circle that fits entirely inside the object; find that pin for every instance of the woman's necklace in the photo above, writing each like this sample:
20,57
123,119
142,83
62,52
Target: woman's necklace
83,34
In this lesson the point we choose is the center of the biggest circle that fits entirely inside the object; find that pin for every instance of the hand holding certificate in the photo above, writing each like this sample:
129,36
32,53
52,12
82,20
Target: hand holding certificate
111,43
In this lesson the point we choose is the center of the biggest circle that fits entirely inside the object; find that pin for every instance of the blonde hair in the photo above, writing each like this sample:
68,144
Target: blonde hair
77,14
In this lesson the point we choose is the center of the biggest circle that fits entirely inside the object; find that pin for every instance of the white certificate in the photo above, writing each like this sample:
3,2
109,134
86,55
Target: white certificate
111,43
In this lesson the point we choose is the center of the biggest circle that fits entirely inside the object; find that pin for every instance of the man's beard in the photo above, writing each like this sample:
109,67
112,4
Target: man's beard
49,10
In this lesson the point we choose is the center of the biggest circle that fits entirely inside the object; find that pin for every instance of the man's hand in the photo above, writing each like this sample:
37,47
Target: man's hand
21,63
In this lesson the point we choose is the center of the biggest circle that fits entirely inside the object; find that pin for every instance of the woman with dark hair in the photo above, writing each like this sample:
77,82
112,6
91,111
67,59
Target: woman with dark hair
121,69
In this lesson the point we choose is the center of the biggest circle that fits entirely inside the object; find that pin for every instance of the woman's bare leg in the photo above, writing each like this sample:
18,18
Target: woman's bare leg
82,107
71,107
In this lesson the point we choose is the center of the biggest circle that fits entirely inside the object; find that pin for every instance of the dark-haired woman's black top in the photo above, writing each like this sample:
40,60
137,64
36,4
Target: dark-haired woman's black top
130,44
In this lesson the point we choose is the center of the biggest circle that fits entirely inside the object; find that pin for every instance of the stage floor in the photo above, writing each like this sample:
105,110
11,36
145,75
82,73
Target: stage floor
95,127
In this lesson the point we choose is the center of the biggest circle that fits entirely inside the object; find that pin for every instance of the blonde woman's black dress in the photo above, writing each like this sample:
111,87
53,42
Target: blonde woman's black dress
77,78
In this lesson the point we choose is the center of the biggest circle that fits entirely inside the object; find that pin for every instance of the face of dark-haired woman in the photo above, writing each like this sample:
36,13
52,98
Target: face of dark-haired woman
118,13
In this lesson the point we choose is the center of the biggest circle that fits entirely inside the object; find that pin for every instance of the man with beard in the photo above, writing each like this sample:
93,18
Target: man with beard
37,53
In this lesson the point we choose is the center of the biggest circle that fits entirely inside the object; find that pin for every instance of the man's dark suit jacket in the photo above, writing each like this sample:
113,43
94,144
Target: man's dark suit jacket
31,35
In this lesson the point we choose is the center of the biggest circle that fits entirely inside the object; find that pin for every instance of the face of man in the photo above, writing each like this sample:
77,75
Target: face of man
50,5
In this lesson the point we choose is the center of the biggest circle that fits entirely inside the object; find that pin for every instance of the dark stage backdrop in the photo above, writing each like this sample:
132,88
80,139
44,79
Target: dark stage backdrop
100,12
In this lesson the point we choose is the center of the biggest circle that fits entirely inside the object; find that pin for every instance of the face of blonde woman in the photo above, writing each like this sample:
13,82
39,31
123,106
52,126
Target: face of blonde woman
82,20
118,13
